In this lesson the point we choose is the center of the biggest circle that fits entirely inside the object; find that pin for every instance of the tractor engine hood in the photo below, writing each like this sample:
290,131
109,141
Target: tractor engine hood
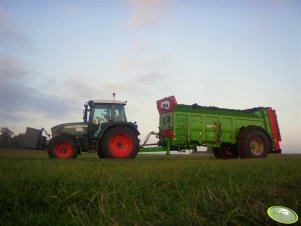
75,129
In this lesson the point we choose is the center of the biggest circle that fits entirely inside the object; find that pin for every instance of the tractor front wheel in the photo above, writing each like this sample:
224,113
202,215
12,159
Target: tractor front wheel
119,142
62,147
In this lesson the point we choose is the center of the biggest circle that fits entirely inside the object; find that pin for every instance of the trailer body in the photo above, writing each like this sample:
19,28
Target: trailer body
188,126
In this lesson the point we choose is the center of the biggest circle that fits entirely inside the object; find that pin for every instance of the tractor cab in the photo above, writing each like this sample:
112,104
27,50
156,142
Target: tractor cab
100,113
103,111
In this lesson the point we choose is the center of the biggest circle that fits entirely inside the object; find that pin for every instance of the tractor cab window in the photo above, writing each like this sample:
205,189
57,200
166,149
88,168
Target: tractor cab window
120,113
107,113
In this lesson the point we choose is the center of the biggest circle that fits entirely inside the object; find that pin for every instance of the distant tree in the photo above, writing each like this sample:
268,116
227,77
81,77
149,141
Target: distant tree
16,142
5,130
5,137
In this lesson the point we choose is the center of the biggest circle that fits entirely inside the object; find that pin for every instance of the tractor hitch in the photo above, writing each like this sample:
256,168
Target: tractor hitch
147,139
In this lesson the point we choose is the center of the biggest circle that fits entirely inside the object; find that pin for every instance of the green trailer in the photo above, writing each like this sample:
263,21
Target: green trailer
250,133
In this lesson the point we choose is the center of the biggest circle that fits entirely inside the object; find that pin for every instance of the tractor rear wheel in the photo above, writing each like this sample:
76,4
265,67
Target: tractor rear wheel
119,142
62,147
253,143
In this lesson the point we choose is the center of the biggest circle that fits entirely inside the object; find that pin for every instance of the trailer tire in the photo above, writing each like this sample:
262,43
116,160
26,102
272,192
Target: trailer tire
119,142
226,152
253,142
62,147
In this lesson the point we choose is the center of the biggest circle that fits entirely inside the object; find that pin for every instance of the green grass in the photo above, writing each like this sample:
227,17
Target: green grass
148,190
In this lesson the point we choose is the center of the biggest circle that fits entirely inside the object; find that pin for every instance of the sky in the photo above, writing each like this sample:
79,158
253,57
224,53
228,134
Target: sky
57,54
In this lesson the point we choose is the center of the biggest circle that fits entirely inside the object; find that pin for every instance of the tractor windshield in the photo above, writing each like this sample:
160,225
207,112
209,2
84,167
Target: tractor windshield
107,113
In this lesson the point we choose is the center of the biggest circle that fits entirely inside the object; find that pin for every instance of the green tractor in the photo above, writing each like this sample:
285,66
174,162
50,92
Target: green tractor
104,130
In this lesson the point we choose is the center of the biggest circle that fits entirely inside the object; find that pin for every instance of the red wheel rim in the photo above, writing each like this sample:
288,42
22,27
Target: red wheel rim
120,145
63,150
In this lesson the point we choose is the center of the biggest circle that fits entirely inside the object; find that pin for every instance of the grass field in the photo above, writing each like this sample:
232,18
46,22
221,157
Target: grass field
148,190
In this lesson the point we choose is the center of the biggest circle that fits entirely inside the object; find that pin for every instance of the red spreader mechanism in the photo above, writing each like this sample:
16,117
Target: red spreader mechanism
275,129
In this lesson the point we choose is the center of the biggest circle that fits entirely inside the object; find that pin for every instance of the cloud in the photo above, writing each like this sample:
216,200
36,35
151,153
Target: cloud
139,46
17,96
11,69
3,14
147,78
146,13
82,89
10,37
136,84
129,64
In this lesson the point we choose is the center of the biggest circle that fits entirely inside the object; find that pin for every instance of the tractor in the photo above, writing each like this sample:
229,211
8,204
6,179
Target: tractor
104,130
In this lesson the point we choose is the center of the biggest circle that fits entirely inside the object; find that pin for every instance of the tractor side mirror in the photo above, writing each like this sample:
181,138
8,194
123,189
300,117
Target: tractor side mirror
85,115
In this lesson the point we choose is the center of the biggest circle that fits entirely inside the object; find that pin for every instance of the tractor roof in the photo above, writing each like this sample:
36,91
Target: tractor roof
108,102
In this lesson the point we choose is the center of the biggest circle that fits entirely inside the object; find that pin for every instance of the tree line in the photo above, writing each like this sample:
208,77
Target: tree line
10,141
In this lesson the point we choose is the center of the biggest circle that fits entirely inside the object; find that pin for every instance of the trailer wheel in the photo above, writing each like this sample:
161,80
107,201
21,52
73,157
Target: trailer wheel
62,147
119,142
253,143
226,152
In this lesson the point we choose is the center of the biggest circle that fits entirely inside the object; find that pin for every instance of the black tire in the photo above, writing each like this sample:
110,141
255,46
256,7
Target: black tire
119,142
62,147
225,152
253,142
